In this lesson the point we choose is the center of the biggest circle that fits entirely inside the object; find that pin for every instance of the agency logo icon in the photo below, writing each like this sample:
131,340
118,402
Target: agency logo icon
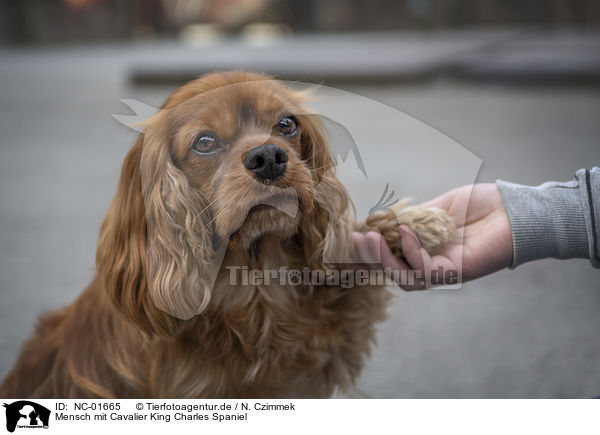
25,414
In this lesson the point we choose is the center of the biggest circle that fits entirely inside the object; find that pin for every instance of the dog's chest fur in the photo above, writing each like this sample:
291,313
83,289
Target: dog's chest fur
278,340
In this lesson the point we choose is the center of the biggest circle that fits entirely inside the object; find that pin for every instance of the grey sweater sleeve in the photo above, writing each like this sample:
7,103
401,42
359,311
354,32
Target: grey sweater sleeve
560,220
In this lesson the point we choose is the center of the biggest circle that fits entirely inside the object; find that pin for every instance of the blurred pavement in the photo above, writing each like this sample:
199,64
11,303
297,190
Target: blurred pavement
530,332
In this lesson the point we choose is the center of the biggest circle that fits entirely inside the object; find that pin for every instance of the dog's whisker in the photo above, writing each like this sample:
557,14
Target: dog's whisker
318,169
206,208
218,214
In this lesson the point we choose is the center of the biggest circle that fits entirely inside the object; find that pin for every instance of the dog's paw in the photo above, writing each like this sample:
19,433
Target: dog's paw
432,226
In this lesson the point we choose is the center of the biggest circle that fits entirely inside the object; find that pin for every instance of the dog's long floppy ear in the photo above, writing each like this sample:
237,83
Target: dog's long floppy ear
153,244
327,236
121,251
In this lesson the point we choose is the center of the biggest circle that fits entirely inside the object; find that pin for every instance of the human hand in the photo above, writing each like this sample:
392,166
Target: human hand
482,242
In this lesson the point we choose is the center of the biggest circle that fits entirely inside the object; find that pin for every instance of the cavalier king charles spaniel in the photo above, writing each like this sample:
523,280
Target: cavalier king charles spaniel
231,175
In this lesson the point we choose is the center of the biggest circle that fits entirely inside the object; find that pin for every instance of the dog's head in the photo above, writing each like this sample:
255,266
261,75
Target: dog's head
246,146
231,158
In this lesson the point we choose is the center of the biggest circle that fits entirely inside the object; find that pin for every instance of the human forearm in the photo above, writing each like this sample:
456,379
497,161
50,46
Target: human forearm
560,220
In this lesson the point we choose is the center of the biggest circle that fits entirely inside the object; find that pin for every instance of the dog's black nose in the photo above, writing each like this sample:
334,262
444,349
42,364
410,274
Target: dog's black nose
267,161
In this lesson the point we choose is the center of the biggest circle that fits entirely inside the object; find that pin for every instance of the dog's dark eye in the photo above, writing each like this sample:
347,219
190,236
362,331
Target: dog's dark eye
287,126
206,143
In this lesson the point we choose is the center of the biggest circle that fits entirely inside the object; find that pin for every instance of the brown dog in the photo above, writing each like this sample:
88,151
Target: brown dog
217,170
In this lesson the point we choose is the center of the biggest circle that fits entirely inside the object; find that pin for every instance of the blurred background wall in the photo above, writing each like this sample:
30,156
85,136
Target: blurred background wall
62,21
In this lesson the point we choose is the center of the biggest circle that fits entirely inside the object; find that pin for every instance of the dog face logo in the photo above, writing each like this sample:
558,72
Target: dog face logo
26,414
